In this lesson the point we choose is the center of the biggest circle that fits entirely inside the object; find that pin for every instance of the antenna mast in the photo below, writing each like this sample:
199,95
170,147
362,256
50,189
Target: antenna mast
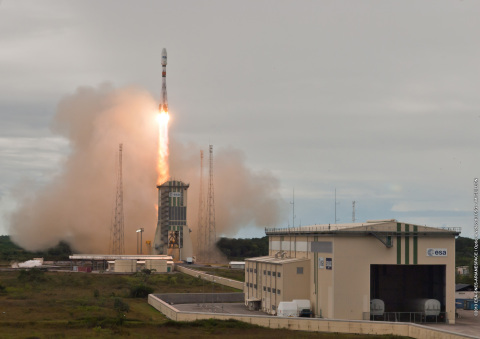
293,208
353,211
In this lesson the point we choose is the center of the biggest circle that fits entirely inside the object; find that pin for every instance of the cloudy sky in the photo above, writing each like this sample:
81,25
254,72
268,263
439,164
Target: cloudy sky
377,100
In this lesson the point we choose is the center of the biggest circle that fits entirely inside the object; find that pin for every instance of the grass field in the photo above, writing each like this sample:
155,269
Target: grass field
37,304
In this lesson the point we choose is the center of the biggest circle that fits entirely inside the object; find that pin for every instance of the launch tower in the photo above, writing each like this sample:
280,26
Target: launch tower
172,235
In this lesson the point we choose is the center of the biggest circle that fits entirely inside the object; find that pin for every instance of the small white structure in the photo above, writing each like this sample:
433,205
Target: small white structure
463,270
35,262
237,264
431,307
287,309
377,307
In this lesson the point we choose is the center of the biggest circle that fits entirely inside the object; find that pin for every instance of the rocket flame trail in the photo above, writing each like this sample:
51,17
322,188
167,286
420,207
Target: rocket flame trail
163,118
162,166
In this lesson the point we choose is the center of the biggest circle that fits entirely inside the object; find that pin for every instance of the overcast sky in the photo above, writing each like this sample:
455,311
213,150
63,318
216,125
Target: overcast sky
376,99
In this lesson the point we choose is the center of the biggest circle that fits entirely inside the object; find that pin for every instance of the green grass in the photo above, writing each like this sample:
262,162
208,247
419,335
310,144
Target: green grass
81,305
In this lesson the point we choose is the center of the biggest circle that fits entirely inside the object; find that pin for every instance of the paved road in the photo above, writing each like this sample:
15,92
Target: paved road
466,323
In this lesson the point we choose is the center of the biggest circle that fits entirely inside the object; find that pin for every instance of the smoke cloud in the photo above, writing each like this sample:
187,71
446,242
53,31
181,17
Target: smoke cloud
77,205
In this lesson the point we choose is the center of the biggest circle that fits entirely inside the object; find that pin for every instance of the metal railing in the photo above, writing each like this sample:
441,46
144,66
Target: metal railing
409,317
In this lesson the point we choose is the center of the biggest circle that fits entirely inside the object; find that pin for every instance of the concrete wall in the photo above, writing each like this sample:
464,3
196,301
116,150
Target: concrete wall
208,277
195,298
312,325
160,266
126,265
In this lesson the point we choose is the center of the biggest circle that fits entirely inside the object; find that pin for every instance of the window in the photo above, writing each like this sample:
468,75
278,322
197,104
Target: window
251,284
264,288
299,270
278,291
264,272
279,275
273,307
274,291
251,269
268,272
254,270
274,273
269,289
255,286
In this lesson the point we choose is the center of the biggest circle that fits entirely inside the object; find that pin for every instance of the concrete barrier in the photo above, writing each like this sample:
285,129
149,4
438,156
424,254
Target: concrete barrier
195,298
313,325
208,277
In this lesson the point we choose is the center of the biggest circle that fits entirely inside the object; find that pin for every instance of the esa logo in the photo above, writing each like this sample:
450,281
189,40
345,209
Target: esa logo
436,252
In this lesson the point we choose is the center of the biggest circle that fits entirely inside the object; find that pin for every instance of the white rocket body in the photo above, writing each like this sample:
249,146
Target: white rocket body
164,103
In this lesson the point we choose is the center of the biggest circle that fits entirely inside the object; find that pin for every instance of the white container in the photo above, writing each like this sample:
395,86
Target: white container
377,307
287,309
428,306
302,304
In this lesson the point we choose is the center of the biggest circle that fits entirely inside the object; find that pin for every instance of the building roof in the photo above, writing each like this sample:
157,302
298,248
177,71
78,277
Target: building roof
117,257
275,260
366,228
463,287
173,183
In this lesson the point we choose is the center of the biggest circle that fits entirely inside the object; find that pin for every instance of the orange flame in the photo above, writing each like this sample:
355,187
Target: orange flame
162,166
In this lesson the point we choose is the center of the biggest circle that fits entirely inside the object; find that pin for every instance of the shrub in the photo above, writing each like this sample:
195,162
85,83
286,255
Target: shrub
140,291
32,275
120,305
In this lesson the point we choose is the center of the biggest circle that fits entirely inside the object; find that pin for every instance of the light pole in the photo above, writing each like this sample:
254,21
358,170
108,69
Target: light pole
140,230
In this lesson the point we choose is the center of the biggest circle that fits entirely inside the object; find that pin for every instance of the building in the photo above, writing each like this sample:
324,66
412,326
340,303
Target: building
172,236
463,270
463,292
237,264
121,262
269,281
345,266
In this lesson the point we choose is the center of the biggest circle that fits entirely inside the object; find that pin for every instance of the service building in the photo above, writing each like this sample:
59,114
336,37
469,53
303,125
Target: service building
340,268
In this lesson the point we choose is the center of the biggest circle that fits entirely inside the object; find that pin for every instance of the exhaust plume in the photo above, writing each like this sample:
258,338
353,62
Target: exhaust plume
77,205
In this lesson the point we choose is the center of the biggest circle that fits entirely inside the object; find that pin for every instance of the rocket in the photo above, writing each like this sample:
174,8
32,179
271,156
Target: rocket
164,104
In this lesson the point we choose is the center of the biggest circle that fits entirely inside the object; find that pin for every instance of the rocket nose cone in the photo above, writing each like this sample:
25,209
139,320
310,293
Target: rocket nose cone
164,57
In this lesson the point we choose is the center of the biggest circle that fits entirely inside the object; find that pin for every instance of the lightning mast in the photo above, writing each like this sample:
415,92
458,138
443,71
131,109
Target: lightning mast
118,241
212,235
202,234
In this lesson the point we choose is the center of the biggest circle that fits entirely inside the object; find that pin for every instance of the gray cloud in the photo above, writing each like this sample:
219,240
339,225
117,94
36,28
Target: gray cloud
363,97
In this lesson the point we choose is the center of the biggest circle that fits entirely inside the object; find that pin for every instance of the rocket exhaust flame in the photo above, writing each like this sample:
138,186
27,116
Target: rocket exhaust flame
163,118
162,166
